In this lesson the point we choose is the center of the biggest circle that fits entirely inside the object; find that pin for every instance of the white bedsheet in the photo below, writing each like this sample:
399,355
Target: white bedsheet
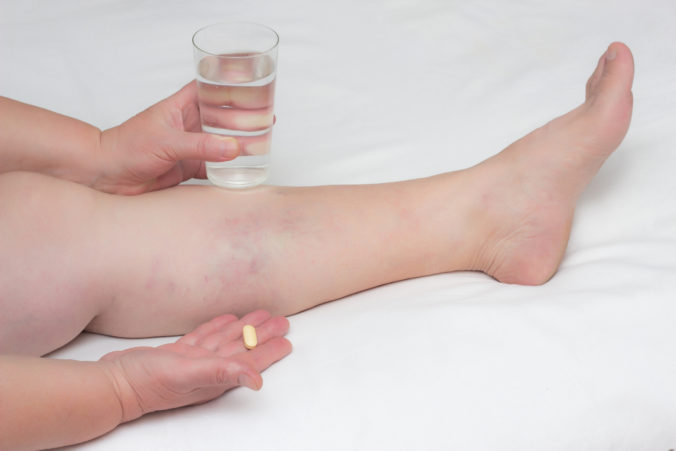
372,91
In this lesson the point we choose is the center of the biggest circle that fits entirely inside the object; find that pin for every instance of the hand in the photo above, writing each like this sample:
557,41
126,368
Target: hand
200,366
160,147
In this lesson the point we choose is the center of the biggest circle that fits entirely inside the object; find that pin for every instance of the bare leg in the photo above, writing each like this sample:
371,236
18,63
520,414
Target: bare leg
177,257
52,263
288,249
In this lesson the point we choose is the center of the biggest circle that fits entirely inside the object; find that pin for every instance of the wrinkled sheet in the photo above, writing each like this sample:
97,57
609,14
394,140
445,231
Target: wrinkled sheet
387,90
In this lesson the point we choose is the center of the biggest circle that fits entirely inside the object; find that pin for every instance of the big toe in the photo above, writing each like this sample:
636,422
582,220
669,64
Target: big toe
609,96
613,76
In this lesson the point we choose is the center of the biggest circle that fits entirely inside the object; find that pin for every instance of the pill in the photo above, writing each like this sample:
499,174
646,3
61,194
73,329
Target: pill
249,335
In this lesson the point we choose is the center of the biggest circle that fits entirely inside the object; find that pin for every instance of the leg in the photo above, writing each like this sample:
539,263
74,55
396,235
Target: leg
177,257
289,249
52,266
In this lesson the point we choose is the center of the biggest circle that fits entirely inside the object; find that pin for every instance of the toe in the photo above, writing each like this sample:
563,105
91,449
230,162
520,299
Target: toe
613,76
609,99
618,71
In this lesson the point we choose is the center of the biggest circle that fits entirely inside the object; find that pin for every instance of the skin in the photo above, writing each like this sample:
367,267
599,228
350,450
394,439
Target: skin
48,403
160,147
133,267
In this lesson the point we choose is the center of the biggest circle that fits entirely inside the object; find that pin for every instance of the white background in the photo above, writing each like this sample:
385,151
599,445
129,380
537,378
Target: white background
372,91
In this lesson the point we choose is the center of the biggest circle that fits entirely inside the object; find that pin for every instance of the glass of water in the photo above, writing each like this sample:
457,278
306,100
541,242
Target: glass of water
236,66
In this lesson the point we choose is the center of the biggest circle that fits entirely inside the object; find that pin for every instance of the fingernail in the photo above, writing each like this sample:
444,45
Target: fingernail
228,147
611,54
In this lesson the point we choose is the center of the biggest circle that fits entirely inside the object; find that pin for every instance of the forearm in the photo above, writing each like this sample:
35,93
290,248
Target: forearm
37,140
47,403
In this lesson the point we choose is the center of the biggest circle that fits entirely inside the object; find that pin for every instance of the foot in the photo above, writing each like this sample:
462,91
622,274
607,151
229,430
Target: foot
529,190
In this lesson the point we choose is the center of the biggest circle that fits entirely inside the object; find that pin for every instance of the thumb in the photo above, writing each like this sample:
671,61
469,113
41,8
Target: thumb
221,372
202,146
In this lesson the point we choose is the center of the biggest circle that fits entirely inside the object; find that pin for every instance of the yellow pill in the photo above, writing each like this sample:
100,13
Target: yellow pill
249,335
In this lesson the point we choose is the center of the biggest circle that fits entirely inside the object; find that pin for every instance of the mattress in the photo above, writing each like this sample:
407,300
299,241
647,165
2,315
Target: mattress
388,90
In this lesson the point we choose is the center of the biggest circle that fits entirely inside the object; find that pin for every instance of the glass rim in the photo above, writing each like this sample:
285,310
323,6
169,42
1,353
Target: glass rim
274,34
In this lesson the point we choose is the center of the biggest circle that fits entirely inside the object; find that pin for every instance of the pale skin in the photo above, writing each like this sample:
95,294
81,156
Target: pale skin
163,262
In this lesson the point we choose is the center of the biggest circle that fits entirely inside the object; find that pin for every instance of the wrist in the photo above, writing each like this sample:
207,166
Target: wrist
80,162
96,167
107,174
130,407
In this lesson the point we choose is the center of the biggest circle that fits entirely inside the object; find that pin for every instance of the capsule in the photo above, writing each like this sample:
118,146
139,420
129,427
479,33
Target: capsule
249,335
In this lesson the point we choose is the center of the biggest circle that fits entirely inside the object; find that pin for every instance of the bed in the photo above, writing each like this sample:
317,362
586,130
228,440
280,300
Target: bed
386,90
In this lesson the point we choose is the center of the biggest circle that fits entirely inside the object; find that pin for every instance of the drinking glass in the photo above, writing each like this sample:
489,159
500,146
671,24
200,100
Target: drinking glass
236,67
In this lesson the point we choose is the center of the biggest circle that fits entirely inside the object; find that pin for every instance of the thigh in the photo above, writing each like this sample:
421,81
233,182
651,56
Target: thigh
48,262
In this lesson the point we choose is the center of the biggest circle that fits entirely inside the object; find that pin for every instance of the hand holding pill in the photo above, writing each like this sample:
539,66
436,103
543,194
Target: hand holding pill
201,365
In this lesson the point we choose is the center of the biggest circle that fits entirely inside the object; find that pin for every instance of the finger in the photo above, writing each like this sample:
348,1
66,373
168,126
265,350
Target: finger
244,97
226,373
206,329
236,118
185,101
200,146
187,94
227,341
233,330
265,355
272,328
255,145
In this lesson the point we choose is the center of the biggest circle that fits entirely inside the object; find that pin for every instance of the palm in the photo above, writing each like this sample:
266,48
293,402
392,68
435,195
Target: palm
202,364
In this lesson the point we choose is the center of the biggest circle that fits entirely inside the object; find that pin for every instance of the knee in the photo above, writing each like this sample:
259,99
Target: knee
43,225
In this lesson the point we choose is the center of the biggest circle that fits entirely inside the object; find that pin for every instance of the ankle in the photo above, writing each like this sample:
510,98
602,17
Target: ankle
519,229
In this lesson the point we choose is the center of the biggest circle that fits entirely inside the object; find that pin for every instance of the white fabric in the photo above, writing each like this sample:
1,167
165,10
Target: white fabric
372,91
